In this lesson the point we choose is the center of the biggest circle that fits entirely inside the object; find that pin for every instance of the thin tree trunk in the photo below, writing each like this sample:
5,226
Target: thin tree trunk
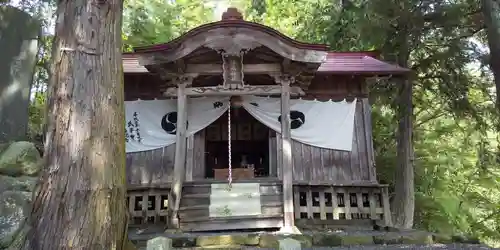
80,203
491,12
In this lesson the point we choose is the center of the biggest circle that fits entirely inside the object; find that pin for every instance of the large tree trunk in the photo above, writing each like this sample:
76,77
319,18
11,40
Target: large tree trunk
491,11
80,203
403,204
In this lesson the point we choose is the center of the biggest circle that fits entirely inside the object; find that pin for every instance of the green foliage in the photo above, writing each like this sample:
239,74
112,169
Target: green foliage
36,115
159,21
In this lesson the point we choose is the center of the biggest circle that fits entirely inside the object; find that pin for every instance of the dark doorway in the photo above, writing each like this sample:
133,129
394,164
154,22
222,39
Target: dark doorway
249,144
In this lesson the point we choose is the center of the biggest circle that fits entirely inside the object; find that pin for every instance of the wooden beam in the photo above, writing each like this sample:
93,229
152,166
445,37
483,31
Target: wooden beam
180,157
246,90
215,69
289,217
180,69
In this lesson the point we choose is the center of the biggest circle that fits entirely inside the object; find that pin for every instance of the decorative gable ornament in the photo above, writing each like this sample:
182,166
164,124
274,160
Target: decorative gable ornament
232,71
232,51
232,14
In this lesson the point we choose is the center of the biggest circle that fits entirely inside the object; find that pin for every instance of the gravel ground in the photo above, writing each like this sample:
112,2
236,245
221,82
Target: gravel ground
394,247
419,247
349,232
380,247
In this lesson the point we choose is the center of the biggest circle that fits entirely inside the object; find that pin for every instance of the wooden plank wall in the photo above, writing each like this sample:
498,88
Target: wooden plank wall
195,157
313,165
155,167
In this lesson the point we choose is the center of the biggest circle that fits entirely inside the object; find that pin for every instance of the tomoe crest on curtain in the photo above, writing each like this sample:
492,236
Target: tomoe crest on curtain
169,123
297,119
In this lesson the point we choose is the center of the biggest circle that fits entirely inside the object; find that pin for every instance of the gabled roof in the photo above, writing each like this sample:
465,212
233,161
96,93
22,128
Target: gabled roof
233,19
229,24
232,34
232,29
337,63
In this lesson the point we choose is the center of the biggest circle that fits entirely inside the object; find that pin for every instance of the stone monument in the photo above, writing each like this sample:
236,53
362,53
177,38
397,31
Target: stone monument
18,49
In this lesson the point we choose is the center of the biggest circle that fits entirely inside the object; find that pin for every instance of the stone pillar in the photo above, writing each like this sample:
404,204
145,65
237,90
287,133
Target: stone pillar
159,243
289,244
18,48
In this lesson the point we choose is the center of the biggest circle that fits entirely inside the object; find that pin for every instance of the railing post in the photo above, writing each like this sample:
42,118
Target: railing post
387,209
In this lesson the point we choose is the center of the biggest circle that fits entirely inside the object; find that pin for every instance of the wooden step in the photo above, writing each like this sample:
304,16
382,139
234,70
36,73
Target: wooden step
232,218
233,223
199,190
209,182
207,206
194,215
204,199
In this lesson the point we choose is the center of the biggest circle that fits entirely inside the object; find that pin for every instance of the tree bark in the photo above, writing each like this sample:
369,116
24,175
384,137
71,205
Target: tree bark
491,12
80,203
403,204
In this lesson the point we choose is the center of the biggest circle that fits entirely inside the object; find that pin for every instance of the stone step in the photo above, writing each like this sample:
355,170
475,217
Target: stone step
365,247
314,240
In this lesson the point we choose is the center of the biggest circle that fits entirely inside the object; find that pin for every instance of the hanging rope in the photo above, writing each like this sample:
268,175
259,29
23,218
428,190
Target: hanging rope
230,173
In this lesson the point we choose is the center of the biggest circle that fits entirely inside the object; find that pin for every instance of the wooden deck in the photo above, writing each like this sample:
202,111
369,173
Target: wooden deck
318,202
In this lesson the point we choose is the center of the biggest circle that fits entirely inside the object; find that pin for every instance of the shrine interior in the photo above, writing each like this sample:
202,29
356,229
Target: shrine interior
249,146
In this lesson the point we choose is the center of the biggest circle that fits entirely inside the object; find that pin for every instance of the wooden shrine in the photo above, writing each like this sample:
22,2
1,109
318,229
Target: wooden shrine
287,182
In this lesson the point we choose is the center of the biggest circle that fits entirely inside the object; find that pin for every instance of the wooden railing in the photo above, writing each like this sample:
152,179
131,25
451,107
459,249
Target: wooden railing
327,202
147,206
319,202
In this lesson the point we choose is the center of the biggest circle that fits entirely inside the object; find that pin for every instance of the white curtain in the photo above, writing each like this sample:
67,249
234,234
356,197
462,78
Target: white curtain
321,124
152,124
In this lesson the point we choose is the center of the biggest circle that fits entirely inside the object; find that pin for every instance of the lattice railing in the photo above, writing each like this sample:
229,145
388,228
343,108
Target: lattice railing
323,202
341,203
147,206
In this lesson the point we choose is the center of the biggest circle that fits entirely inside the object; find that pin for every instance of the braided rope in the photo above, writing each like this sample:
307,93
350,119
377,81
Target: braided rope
230,174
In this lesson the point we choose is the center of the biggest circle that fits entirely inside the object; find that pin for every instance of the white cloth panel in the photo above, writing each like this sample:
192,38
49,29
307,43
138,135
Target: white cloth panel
321,124
152,124
242,199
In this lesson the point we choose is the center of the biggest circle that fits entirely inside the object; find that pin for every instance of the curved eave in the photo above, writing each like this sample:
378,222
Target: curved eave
232,36
229,24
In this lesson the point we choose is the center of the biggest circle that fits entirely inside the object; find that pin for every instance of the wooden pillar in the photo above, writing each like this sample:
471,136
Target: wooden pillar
287,164
174,197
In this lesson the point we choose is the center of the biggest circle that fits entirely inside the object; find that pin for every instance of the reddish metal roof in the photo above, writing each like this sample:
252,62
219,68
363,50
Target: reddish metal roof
131,64
357,63
345,63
